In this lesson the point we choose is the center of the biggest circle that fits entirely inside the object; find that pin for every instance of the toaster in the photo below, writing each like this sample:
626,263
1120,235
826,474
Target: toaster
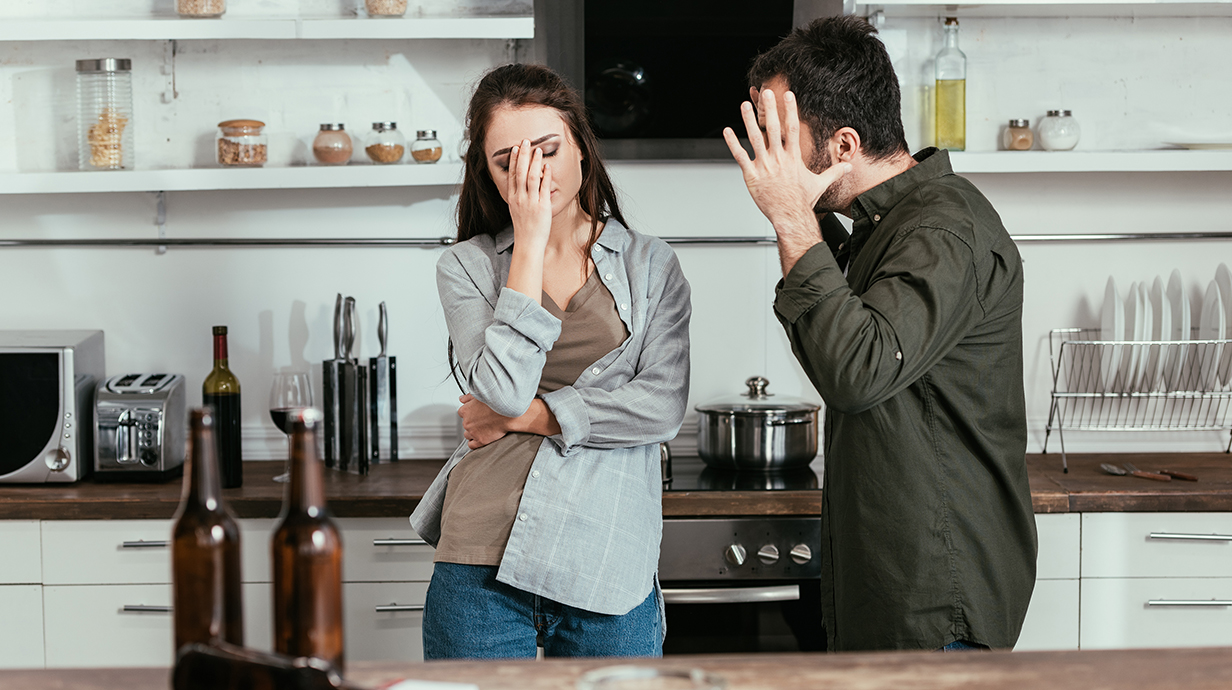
140,427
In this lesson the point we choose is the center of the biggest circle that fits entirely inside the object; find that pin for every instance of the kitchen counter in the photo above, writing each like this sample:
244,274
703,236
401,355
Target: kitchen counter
1155,669
393,490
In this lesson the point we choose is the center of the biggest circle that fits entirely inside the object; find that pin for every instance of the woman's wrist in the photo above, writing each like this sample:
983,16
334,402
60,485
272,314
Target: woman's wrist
538,419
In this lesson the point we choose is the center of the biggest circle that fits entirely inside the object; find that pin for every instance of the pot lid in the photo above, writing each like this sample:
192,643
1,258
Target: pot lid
757,401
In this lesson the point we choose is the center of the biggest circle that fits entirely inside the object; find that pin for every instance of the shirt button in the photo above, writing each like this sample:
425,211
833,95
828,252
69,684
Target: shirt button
522,517
535,474
595,371
898,356
876,217
624,307
607,277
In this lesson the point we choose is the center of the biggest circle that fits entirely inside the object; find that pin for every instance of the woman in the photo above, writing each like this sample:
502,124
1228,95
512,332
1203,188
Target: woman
571,338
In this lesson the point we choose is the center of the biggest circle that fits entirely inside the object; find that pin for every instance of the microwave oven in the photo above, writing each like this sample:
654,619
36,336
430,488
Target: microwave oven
662,78
47,381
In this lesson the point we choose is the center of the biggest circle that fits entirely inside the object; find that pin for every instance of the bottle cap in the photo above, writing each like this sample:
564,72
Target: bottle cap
333,127
105,65
382,126
220,330
951,21
1020,123
203,416
308,416
425,134
1060,113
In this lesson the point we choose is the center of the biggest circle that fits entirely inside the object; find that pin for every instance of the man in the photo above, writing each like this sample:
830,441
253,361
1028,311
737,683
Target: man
911,331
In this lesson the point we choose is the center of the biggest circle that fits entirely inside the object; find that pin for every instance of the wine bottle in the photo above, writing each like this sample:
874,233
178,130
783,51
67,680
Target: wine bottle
221,391
205,549
306,550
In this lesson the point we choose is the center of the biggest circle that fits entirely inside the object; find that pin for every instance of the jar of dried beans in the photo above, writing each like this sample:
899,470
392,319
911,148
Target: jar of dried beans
242,143
201,8
385,143
385,8
105,114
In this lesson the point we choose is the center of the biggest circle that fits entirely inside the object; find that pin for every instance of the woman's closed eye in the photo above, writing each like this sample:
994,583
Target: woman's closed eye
548,152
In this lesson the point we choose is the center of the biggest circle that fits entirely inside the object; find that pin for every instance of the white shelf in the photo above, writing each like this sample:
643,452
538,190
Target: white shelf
309,177
1049,8
264,28
1091,161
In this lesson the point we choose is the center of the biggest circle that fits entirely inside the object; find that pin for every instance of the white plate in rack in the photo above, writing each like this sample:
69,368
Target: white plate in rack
1133,333
1223,278
1210,327
1178,303
1111,327
1161,329
1142,381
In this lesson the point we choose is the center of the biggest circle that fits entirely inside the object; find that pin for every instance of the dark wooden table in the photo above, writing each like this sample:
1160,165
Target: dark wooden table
1088,489
1155,669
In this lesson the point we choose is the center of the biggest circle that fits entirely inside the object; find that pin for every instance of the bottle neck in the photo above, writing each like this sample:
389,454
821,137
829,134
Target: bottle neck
204,486
951,37
220,351
307,487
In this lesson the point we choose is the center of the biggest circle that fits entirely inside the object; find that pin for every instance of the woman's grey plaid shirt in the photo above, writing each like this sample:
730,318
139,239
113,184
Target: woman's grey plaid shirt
590,519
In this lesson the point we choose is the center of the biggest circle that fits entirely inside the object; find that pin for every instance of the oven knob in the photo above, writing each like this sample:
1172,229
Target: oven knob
735,554
57,461
768,554
149,458
801,553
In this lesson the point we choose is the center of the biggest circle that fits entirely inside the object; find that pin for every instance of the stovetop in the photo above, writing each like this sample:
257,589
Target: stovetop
691,474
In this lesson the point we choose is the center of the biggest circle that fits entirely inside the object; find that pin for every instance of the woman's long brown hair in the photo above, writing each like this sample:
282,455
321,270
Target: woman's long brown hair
481,210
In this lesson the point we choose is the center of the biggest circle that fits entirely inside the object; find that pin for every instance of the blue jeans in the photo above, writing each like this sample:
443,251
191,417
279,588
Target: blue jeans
469,615
962,646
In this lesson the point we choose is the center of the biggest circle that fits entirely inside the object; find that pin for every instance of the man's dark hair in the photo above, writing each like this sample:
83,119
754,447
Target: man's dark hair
842,77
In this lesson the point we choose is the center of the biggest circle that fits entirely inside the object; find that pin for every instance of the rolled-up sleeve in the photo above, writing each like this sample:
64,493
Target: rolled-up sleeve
501,347
650,407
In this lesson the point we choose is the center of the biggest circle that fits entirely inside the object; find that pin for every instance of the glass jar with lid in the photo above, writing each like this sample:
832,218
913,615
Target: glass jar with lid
1059,131
332,145
200,8
242,143
426,148
1017,136
385,143
385,8
105,114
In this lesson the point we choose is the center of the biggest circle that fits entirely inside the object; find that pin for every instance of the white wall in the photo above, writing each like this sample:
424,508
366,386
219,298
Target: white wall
157,310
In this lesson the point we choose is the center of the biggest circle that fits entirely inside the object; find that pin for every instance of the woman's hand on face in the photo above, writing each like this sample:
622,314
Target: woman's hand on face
480,425
530,194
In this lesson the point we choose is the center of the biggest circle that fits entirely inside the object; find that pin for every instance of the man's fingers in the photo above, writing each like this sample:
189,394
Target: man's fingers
826,178
791,124
774,133
737,151
750,123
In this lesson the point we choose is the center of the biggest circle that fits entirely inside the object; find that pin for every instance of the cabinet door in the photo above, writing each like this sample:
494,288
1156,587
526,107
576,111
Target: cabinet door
23,561
1156,544
1156,612
258,615
255,536
1052,617
100,552
21,634
383,550
388,635
1060,546
89,626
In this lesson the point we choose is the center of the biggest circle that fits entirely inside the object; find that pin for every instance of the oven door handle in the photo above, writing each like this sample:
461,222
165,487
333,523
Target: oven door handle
731,595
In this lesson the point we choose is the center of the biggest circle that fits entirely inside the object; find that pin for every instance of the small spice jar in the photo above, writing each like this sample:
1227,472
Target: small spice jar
426,148
105,114
1017,136
1059,131
385,143
242,143
385,8
332,145
201,8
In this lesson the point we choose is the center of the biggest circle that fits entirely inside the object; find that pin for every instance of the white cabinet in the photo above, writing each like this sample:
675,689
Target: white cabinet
1052,617
21,630
98,552
1157,545
108,625
22,562
384,620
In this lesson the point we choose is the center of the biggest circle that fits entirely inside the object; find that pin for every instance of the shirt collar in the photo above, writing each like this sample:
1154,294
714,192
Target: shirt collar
878,201
613,237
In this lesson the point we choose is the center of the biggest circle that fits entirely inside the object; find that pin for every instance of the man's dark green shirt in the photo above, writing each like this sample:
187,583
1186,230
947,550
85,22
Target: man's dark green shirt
928,534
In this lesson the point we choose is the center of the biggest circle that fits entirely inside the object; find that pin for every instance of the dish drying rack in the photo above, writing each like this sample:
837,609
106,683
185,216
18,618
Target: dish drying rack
1137,385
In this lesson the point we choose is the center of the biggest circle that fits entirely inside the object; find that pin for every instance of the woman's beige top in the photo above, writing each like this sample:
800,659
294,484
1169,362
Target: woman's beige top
486,485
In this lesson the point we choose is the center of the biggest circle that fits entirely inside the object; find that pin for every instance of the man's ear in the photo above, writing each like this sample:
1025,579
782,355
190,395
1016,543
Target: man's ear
845,143
753,95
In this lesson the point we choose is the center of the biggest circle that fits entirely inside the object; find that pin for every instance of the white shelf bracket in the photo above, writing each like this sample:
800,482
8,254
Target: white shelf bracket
513,50
160,220
168,71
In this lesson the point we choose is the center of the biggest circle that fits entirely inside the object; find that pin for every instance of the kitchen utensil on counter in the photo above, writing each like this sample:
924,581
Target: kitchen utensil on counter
288,392
1183,476
349,386
1112,469
141,427
757,431
105,114
383,406
1145,475
331,377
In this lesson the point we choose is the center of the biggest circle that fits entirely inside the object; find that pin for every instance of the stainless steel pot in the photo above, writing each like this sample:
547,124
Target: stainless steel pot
757,432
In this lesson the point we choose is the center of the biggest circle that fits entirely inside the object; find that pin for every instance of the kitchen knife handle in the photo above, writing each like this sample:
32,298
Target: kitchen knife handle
1152,475
348,328
1179,475
382,329
338,327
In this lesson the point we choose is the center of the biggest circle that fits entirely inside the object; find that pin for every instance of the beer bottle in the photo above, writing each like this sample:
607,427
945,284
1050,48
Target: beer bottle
205,549
307,556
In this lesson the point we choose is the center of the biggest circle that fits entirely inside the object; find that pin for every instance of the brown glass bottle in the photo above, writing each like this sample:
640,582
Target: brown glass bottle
205,549
221,391
307,556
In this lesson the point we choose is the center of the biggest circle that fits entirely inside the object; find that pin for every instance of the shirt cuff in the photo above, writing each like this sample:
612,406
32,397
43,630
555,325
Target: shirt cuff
569,409
528,317
815,275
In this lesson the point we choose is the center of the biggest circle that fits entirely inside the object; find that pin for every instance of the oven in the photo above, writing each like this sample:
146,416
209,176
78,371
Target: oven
741,584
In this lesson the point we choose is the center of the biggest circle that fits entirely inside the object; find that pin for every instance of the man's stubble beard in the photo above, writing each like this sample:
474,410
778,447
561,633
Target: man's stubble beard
833,198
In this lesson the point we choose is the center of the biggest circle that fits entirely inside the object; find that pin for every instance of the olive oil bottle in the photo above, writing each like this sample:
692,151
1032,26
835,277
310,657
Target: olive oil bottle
951,91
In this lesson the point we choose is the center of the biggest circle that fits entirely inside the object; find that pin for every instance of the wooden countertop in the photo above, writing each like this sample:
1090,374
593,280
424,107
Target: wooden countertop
1153,669
393,490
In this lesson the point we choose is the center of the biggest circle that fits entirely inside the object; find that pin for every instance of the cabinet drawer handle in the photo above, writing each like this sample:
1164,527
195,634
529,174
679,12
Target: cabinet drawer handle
390,608
143,544
1191,537
399,542
1189,602
142,608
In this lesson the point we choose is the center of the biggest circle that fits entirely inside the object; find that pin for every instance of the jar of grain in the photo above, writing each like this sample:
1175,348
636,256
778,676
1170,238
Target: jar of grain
385,143
332,145
426,148
105,114
385,8
242,143
201,8
1017,136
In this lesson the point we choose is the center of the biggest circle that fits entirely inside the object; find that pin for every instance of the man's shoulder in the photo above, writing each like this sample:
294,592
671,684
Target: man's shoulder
953,204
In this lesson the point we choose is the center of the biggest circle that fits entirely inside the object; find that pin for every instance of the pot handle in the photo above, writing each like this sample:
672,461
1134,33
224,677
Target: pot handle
785,422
